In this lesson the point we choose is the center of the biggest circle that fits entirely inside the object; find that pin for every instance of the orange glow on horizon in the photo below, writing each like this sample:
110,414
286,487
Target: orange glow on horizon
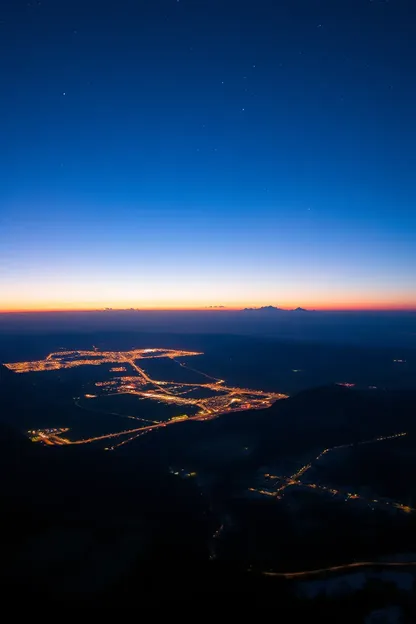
317,306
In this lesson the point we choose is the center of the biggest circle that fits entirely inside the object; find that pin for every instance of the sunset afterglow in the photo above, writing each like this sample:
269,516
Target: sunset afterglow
208,306
213,190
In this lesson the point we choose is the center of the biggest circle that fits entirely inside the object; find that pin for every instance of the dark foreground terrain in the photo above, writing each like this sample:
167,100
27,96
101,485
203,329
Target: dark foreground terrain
277,504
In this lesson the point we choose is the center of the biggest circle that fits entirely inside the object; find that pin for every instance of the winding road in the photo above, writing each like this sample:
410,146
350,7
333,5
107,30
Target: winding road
340,568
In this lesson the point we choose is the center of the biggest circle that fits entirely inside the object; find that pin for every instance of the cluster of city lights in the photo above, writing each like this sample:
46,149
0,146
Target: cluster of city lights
224,399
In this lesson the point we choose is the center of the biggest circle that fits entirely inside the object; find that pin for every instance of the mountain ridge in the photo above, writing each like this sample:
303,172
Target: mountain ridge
273,309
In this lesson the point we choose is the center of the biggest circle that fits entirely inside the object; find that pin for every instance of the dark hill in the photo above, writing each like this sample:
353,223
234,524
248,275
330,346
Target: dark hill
333,415
81,522
271,309
312,420
263,309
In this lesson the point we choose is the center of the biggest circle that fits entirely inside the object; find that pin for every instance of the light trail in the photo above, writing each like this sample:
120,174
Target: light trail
128,440
294,480
339,568
216,379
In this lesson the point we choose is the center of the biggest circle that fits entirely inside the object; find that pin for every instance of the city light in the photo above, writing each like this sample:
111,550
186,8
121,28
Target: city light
224,399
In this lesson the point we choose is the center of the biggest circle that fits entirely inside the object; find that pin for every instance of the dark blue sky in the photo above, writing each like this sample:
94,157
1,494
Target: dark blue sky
205,152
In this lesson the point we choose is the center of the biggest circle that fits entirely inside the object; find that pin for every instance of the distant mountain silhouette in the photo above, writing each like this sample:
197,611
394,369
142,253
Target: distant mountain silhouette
121,310
272,309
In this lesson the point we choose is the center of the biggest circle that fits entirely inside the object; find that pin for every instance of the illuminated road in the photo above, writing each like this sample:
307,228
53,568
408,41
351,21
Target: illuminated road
341,568
54,439
294,480
223,399
142,374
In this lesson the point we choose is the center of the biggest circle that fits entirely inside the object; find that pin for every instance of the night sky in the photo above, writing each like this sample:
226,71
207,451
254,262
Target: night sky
165,153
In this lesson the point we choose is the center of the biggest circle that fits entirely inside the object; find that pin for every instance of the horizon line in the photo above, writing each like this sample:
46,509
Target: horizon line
209,309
